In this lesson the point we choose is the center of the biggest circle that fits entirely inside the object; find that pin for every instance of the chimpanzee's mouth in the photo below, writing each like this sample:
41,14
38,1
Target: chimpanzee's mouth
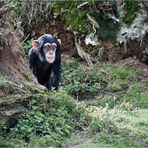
50,56
50,59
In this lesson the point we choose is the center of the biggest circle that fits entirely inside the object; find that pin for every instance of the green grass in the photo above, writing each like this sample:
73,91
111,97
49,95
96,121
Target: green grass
114,128
88,82
119,112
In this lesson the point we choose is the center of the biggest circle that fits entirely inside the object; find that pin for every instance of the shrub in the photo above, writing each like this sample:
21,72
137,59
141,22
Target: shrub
27,45
84,82
53,119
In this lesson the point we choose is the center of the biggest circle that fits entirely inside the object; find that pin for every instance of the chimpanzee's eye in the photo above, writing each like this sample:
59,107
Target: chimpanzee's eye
47,46
46,49
54,46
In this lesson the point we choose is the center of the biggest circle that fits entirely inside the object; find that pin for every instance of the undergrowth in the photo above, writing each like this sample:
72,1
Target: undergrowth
112,111
107,83
49,121
131,8
118,110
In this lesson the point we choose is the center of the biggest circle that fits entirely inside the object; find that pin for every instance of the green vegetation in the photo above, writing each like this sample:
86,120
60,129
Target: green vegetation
130,8
115,119
113,128
113,111
126,129
103,12
83,82
27,45
77,20
108,28
49,120
104,105
74,17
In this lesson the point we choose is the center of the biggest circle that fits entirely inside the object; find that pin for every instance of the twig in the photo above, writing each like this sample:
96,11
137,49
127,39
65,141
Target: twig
83,4
25,39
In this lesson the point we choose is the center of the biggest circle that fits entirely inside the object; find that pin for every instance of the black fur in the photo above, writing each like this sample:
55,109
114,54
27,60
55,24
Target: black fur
43,69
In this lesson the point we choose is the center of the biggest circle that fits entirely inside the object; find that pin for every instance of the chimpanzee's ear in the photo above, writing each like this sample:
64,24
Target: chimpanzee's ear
35,43
59,40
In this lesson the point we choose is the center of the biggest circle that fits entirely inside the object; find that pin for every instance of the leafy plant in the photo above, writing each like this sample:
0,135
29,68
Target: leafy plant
87,82
130,8
27,45
81,81
54,119
77,20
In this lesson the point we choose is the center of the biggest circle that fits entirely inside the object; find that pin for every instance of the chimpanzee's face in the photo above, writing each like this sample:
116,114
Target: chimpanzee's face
49,50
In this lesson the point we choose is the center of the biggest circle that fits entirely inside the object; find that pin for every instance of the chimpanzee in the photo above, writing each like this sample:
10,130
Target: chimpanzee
45,60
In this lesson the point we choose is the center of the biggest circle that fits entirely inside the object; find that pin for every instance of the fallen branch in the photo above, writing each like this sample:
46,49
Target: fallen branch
83,54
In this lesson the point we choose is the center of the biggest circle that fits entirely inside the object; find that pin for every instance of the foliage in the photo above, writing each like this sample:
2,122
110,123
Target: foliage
39,12
81,80
86,82
53,117
120,76
137,95
53,120
112,117
113,128
134,95
108,28
76,18
19,8
2,124
70,14
27,45
110,85
131,8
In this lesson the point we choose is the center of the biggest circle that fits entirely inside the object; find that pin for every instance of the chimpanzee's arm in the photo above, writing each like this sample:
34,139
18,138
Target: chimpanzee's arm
57,73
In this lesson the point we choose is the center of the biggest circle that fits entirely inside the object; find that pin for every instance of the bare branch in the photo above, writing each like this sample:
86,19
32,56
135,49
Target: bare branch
83,4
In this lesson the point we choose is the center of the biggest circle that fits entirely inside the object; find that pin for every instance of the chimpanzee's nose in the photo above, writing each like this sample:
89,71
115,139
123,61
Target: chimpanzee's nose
50,52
